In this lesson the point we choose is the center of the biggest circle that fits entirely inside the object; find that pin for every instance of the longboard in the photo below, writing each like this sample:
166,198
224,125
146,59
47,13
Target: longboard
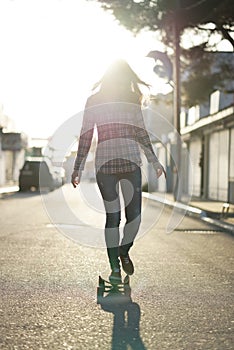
107,291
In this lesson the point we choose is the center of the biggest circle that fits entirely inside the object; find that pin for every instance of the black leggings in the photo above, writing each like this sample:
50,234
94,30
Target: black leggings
130,184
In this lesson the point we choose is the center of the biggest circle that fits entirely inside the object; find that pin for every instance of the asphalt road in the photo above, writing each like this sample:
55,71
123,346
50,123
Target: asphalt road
181,292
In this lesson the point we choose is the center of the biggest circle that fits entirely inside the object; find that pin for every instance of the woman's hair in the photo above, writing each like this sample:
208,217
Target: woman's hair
120,78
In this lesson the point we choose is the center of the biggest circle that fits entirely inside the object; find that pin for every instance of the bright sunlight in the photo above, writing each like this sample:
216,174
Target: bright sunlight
52,54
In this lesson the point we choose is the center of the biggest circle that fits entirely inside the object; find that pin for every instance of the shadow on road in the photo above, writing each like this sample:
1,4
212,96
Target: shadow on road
19,195
126,322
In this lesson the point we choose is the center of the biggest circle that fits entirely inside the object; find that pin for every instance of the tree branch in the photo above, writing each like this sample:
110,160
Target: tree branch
226,35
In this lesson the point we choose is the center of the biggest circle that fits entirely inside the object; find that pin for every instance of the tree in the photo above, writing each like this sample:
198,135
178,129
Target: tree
160,14
205,72
194,19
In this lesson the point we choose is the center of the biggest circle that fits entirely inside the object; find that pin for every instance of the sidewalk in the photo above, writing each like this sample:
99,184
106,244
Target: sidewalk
209,211
8,189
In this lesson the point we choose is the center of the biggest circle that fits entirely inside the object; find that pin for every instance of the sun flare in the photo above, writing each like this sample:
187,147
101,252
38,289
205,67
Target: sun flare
54,51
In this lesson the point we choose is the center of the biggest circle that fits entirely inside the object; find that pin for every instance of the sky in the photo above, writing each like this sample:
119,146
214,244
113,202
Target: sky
53,51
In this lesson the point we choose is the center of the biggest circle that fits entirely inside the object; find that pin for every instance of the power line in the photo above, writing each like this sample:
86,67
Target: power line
194,5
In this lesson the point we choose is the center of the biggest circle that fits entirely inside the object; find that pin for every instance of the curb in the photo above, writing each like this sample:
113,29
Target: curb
9,189
193,211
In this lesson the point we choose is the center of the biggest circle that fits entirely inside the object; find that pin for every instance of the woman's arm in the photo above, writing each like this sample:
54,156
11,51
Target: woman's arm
85,140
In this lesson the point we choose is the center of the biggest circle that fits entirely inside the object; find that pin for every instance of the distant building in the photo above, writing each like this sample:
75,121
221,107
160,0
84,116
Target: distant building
12,150
159,124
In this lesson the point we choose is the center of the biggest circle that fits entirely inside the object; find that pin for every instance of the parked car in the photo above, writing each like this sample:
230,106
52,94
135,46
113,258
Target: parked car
38,173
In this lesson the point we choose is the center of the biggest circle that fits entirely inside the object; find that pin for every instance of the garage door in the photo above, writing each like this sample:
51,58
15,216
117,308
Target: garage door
195,169
218,165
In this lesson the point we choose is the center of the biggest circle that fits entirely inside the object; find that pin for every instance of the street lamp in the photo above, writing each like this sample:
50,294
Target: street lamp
172,71
177,100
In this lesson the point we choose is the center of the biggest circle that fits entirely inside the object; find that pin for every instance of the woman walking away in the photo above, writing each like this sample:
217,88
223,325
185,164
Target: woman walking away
116,112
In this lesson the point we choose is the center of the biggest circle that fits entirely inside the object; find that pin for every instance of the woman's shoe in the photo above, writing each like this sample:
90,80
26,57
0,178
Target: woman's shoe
127,264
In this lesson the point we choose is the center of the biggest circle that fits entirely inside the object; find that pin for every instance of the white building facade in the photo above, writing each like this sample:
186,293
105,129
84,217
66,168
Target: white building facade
12,151
209,135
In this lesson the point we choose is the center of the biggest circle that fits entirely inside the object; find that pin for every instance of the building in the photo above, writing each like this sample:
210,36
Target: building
207,136
12,150
159,124
208,131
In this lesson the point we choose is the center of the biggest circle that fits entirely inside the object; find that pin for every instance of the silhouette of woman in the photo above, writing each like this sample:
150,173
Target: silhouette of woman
116,112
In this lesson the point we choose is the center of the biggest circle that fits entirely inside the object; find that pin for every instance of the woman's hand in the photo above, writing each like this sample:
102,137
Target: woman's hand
160,170
75,178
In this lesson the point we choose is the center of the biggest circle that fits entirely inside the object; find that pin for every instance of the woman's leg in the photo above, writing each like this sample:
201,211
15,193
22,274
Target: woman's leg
109,188
131,188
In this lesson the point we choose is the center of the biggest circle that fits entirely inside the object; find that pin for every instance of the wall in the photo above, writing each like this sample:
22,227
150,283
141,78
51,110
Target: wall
218,165
231,168
195,148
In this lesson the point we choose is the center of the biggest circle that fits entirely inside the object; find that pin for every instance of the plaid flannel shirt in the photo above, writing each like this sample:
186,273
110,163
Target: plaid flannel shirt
121,135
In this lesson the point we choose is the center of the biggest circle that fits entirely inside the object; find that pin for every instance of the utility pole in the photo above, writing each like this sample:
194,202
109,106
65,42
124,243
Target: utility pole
177,101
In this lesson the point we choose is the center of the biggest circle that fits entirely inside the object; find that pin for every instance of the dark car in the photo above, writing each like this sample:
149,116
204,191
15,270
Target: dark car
39,174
